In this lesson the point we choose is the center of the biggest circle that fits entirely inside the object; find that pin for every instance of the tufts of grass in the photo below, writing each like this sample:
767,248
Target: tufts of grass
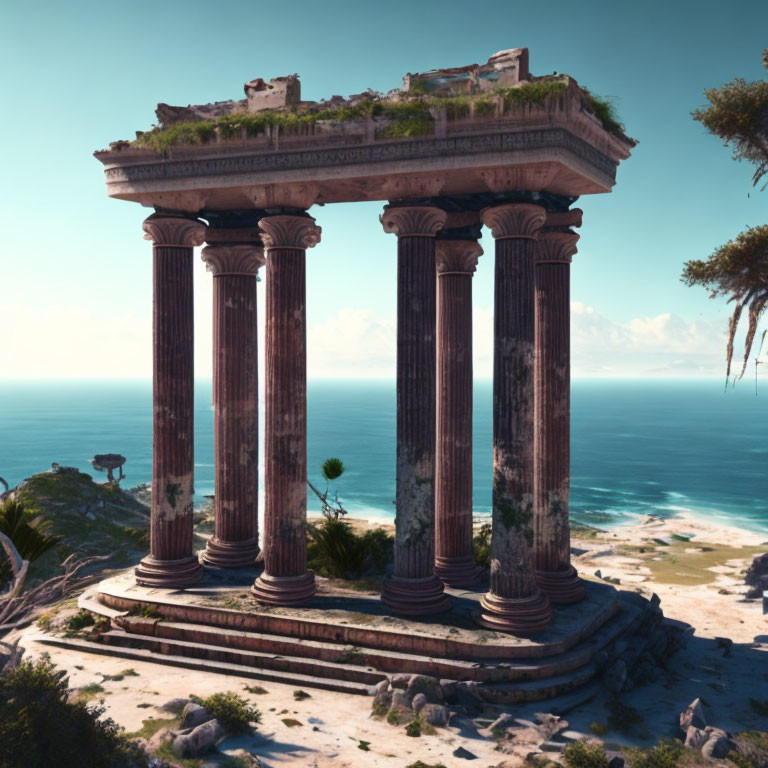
80,620
152,725
256,689
667,754
606,112
232,711
301,695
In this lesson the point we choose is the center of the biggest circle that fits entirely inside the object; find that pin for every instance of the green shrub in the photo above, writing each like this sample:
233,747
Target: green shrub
666,755
585,754
334,549
80,620
751,750
231,710
379,548
481,545
29,535
40,728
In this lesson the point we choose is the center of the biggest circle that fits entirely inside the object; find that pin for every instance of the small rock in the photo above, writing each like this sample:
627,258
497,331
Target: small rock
693,715
194,715
175,706
401,700
464,754
617,761
551,746
419,702
448,688
573,736
201,739
502,722
429,686
435,714
695,737
599,574
717,746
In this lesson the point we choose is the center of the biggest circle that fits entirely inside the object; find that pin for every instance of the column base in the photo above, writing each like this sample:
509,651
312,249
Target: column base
459,571
168,574
415,597
518,616
230,554
284,590
561,587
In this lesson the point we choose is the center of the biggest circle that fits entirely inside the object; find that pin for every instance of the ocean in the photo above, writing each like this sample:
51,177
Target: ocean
638,446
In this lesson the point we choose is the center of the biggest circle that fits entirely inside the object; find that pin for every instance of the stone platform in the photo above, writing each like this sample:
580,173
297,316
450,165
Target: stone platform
344,640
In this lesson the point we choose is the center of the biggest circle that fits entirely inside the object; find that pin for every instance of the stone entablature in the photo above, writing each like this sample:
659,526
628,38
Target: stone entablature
554,144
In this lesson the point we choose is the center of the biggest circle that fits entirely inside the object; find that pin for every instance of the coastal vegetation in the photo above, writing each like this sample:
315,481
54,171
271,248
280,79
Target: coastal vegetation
738,114
393,119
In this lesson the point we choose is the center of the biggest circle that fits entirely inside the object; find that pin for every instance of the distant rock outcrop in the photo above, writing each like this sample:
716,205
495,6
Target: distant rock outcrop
757,576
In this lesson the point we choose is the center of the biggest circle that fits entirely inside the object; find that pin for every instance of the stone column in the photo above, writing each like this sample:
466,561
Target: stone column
234,256
172,562
514,603
552,542
454,559
285,580
414,588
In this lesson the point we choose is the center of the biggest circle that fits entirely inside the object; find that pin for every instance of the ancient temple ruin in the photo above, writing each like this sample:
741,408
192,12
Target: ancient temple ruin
452,151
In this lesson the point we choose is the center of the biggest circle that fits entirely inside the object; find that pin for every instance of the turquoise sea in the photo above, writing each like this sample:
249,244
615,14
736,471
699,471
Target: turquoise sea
638,446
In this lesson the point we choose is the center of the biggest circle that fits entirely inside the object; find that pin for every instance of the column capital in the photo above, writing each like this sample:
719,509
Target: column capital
514,220
413,220
286,231
570,218
173,231
457,257
556,247
233,259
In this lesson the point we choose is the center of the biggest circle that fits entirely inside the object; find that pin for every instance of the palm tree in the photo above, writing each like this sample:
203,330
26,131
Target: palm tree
31,537
738,114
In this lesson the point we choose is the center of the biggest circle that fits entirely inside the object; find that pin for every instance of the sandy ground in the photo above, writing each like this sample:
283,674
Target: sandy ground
699,581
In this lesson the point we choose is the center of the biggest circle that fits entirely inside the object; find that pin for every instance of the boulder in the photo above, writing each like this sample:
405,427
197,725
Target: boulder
193,715
175,706
159,738
419,702
381,687
757,576
468,697
401,680
448,687
717,746
435,714
401,700
693,714
429,686
695,737
200,739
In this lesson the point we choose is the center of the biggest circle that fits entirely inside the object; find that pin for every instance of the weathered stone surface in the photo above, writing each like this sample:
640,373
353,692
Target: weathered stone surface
695,737
175,706
693,714
201,739
717,746
194,715
435,714
419,702
401,700
757,576
159,738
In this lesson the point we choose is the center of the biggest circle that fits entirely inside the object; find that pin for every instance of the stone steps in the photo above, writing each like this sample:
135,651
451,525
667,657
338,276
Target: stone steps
204,665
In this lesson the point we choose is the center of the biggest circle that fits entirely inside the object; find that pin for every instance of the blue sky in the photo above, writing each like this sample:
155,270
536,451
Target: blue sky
76,279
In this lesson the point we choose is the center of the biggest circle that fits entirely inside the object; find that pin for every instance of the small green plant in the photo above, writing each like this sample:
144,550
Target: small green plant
231,710
256,689
393,717
599,729
45,621
152,725
481,545
301,695
418,727
80,620
144,611
364,745
585,754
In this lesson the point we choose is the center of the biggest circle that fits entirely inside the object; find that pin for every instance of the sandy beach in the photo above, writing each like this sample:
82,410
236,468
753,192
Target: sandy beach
695,566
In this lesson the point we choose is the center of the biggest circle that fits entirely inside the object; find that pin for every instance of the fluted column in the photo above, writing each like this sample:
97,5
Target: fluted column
454,559
414,588
171,561
555,575
285,580
514,603
234,257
